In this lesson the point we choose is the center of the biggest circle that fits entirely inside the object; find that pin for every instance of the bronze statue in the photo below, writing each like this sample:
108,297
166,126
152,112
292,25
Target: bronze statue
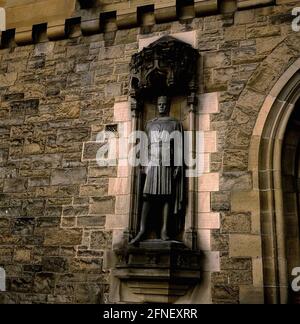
164,183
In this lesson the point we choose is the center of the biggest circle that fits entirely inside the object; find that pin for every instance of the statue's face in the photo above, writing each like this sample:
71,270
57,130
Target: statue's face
163,105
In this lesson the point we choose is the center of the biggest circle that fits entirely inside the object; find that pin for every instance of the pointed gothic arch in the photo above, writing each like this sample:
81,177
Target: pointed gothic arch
275,144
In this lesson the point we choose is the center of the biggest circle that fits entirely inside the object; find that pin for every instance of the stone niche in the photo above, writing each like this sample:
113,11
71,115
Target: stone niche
156,270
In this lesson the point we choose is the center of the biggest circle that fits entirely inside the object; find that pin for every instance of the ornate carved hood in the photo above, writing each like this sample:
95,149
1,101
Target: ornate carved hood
168,66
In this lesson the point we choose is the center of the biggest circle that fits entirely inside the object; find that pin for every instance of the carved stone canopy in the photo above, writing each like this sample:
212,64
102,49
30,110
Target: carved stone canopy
168,66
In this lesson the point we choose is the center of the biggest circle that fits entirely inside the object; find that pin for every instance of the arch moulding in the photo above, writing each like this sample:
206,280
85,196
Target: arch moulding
265,156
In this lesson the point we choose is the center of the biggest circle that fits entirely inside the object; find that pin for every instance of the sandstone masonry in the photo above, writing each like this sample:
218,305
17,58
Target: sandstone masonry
60,212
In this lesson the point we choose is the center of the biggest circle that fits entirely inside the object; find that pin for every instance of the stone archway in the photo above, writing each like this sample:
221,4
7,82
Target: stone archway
275,170
253,145
290,185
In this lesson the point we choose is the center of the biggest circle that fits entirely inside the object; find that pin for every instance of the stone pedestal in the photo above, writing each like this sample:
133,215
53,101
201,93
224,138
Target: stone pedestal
158,271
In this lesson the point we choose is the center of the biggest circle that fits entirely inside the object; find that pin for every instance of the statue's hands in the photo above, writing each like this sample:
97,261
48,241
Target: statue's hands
144,170
176,173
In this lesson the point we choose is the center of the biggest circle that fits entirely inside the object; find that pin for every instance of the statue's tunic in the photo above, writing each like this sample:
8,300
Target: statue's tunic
160,170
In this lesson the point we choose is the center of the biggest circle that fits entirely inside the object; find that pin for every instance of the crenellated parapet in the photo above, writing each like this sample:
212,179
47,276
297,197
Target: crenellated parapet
30,22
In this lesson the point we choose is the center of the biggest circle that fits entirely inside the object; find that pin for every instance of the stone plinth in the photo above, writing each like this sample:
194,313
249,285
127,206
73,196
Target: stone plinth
158,271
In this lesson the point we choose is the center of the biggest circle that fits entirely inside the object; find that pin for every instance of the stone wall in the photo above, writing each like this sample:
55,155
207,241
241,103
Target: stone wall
54,202
60,212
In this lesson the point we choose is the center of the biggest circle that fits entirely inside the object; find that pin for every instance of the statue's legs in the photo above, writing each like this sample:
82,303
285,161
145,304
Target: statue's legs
144,219
165,222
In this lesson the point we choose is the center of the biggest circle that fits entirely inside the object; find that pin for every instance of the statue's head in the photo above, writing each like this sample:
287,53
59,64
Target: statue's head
163,105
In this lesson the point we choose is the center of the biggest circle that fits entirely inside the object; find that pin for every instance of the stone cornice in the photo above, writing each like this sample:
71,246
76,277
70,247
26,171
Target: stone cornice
57,15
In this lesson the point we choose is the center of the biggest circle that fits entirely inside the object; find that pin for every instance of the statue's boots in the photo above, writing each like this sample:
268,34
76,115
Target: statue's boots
138,239
164,236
